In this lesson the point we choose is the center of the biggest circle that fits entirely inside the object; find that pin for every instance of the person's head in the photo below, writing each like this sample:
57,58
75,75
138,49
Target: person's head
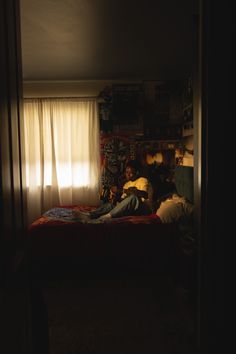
131,170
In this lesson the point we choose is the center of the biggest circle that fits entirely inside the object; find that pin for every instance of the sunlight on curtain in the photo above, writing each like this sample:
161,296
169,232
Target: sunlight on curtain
62,153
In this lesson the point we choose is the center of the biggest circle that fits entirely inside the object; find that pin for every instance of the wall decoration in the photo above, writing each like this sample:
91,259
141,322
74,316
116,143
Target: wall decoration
163,109
127,106
115,152
162,103
188,108
105,109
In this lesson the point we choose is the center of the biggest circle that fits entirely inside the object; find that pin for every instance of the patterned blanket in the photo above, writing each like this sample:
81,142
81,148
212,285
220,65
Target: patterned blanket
65,214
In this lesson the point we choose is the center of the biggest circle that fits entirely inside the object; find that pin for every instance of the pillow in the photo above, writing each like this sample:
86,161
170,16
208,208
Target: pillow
174,208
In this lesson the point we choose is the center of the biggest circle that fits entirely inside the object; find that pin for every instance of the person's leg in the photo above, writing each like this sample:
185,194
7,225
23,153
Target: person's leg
131,205
102,210
86,216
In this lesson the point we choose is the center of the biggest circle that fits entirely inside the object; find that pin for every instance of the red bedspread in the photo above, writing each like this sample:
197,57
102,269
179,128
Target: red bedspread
126,238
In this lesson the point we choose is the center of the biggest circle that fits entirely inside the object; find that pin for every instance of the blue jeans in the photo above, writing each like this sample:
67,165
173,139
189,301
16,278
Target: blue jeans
131,205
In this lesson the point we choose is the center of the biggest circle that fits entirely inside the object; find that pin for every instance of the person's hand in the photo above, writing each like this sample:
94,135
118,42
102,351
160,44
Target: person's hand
114,194
130,190
114,189
136,191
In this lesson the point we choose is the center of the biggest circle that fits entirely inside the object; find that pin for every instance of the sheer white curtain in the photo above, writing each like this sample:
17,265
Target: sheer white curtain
62,153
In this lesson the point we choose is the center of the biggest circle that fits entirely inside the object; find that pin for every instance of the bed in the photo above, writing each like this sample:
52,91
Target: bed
140,241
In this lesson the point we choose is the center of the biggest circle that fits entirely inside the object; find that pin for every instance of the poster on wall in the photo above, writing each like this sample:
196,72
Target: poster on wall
127,106
115,152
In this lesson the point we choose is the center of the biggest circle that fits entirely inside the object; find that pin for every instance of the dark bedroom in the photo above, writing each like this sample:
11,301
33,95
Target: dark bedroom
107,170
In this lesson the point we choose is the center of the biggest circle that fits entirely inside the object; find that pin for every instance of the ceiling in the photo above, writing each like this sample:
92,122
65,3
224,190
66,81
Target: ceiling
106,39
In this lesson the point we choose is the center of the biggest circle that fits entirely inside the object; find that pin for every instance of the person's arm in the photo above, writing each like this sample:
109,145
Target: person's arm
135,191
141,189
115,194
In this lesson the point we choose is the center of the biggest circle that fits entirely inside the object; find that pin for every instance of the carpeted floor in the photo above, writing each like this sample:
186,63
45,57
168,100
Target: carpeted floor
140,314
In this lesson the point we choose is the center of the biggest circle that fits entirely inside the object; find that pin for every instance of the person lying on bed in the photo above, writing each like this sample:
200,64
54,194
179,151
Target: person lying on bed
136,198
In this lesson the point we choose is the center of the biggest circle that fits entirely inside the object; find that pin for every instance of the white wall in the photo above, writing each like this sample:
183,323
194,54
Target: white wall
86,88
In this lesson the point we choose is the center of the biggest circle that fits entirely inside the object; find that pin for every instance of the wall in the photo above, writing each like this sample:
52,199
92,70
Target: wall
152,102
11,195
15,324
157,127
82,88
